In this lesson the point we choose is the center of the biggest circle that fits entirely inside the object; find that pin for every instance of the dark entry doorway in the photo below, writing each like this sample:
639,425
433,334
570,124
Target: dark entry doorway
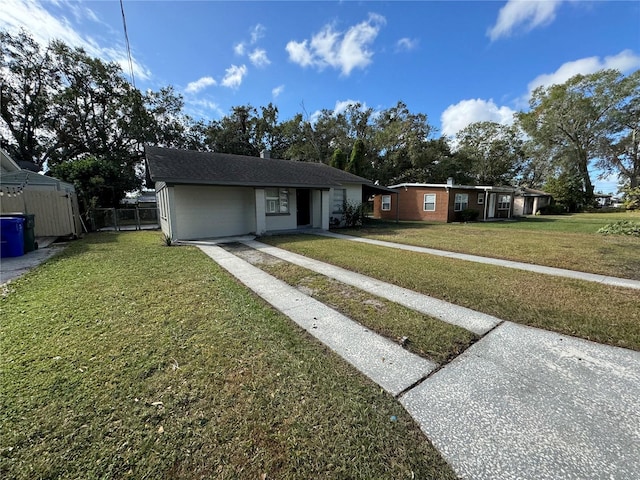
303,207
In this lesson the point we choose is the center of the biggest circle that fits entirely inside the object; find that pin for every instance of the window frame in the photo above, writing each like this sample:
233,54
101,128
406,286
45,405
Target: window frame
279,201
382,203
501,204
344,200
425,203
481,198
463,205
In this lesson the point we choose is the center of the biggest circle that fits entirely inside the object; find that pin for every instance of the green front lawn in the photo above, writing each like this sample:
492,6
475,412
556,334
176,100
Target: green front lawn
589,310
122,358
563,241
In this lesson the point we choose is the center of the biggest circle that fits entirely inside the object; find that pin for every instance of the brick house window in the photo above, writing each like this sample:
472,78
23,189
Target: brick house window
429,202
480,198
461,202
504,201
386,203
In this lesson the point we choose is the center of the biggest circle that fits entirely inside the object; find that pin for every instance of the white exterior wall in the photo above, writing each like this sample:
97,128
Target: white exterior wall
518,206
202,212
163,200
287,221
354,197
316,209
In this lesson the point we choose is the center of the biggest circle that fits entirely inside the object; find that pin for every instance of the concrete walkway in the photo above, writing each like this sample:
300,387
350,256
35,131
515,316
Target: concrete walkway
476,322
14,267
530,267
520,403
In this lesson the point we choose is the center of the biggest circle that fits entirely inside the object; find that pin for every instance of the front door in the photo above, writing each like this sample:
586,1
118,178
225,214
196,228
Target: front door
303,207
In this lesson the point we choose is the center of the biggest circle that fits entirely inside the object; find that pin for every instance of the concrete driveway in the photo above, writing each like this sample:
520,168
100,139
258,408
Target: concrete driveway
521,403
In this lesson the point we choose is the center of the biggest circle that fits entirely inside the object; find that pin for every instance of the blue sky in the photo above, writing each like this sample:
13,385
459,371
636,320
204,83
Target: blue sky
458,62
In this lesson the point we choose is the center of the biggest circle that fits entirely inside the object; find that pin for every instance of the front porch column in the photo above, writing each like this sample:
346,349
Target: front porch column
261,215
535,205
326,213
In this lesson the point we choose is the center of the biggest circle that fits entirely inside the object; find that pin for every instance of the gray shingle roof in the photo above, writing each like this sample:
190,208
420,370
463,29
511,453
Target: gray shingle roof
208,168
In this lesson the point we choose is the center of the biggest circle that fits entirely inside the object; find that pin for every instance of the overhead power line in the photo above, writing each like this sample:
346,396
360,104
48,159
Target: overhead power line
126,38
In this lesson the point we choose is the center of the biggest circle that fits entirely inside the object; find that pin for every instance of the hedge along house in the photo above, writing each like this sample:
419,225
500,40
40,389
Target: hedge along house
208,195
443,202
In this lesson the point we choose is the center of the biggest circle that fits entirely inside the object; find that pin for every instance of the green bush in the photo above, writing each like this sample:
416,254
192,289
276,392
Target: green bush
553,209
468,215
353,214
621,227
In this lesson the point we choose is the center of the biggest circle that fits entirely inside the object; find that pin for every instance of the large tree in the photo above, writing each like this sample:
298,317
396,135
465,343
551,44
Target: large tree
401,142
28,82
494,152
572,121
620,148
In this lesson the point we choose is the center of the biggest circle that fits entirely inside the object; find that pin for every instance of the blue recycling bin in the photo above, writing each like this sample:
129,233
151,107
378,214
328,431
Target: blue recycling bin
11,237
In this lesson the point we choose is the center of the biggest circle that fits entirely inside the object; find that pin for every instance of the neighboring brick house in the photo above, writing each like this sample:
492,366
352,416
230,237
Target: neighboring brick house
443,202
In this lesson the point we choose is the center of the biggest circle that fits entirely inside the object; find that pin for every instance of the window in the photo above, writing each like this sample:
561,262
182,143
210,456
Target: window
386,203
461,202
339,199
429,202
277,201
480,198
504,201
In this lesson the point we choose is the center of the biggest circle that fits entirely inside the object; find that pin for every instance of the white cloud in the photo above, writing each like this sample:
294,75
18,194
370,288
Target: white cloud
458,116
44,27
257,33
527,14
233,76
342,51
203,108
341,106
200,84
299,53
623,61
277,91
259,58
406,44
239,49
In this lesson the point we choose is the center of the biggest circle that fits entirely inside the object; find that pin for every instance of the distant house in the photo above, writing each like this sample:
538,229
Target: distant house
603,200
53,202
443,202
528,201
205,194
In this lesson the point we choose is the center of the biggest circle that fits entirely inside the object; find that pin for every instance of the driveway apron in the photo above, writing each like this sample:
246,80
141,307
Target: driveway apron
521,403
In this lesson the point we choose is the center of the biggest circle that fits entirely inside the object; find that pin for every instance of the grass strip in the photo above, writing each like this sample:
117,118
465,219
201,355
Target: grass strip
423,335
592,311
123,358
566,241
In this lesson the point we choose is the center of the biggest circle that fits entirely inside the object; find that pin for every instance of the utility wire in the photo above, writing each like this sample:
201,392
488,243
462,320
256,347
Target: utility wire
126,37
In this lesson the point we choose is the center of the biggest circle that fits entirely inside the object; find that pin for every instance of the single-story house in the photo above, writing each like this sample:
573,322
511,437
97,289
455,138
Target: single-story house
206,194
53,202
443,202
528,201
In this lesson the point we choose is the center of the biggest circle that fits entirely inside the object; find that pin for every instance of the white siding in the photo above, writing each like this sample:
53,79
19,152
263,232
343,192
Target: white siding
354,197
285,221
203,212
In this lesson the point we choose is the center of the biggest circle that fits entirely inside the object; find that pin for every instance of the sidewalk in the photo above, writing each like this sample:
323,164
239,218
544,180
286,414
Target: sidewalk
520,403
530,267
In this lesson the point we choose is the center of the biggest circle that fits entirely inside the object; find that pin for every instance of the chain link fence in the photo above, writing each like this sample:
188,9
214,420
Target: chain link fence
118,219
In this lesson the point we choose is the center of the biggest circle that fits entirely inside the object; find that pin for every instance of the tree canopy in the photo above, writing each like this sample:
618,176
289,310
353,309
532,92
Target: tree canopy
78,116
